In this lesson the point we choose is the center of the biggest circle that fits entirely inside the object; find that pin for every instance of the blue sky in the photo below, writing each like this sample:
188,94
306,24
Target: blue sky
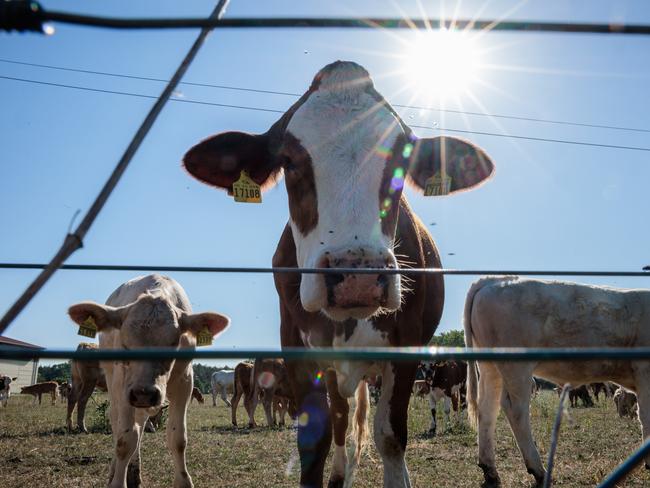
549,206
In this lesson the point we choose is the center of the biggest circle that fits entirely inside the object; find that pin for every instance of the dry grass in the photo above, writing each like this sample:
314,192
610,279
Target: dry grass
36,451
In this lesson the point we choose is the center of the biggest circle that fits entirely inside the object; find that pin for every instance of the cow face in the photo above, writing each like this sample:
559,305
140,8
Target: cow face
151,321
345,155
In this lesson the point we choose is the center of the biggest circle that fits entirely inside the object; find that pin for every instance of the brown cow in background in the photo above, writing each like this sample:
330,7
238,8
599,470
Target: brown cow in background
270,378
86,375
196,394
38,389
242,387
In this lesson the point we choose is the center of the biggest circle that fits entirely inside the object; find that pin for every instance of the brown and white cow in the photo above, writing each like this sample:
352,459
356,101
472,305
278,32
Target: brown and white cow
149,311
242,387
86,376
345,155
626,404
270,381
5,388
445,381
39,389
196,394
513,312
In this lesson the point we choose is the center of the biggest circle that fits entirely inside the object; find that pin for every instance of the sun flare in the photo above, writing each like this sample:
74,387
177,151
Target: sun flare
441,64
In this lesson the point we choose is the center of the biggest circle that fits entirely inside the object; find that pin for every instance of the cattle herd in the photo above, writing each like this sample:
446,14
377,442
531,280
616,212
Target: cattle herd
346,155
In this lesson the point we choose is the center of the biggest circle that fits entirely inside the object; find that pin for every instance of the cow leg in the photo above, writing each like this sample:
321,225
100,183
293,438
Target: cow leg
72,401
126,436
314,424
39,398
253,400
250,409
339,412
224,395
234,403
489,393
214,394
179,393
267,402
133,478
84,395
390,425
515,401
446,402
432,405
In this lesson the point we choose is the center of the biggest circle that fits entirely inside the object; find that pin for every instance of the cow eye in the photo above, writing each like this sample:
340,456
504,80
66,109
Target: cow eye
289,165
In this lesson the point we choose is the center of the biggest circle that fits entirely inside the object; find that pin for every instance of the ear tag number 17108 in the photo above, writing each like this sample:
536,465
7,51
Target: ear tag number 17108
437,185
88,328
246,190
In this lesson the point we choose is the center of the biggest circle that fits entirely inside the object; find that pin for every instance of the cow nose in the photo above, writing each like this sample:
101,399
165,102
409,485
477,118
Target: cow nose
348,290
145,397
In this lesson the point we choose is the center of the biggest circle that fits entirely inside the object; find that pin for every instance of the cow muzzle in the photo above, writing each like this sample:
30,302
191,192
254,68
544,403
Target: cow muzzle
145,397
352,295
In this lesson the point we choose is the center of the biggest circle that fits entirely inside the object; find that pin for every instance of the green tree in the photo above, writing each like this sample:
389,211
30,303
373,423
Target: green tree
56,372
452,338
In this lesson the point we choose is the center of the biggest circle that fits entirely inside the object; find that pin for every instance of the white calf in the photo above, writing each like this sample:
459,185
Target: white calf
511,312
220,382
150,311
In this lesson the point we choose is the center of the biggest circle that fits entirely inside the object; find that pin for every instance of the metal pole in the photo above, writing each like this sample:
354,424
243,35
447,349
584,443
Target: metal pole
74,241
623,469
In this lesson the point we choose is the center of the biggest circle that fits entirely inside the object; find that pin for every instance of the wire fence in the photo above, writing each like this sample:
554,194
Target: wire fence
22,15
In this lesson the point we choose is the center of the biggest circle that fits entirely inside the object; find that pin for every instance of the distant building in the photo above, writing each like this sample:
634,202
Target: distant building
25,370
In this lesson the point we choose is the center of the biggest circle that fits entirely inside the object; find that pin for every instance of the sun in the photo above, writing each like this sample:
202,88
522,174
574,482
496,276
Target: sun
440,64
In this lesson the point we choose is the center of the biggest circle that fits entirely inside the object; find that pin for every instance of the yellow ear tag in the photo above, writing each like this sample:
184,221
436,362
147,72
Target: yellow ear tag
437,185
88,328
246,190
204,338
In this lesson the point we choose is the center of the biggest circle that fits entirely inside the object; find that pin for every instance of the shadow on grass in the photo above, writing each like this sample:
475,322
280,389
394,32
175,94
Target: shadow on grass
231,429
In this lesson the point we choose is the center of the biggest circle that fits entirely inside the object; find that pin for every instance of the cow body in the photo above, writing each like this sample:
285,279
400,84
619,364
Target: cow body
242,387
445,381
149,311
196,394
626,404
345,155
220,382
38,389
270,381
5,389
580,393
512,312
86,376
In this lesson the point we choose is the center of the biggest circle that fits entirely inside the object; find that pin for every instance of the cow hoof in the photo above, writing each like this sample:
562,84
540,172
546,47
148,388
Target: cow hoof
491,477
539,478
432,432
335,483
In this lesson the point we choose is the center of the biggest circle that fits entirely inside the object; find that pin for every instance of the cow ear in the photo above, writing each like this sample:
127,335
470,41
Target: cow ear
104,316
220,159
215,323
466,164
15,378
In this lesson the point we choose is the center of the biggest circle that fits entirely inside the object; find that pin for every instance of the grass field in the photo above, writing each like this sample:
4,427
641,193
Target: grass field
36,451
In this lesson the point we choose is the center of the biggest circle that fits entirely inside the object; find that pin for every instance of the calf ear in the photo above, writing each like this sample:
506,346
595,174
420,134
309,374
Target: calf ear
220,159
15,378
466,164
105,317
195,323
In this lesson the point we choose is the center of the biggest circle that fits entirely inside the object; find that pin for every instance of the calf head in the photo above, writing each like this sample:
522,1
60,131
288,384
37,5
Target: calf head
345,155
150,321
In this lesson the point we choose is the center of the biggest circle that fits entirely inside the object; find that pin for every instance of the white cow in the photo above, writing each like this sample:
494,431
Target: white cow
512,312
220,382
149,311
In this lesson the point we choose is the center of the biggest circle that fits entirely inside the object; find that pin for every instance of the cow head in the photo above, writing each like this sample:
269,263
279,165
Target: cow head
150,321
345,155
